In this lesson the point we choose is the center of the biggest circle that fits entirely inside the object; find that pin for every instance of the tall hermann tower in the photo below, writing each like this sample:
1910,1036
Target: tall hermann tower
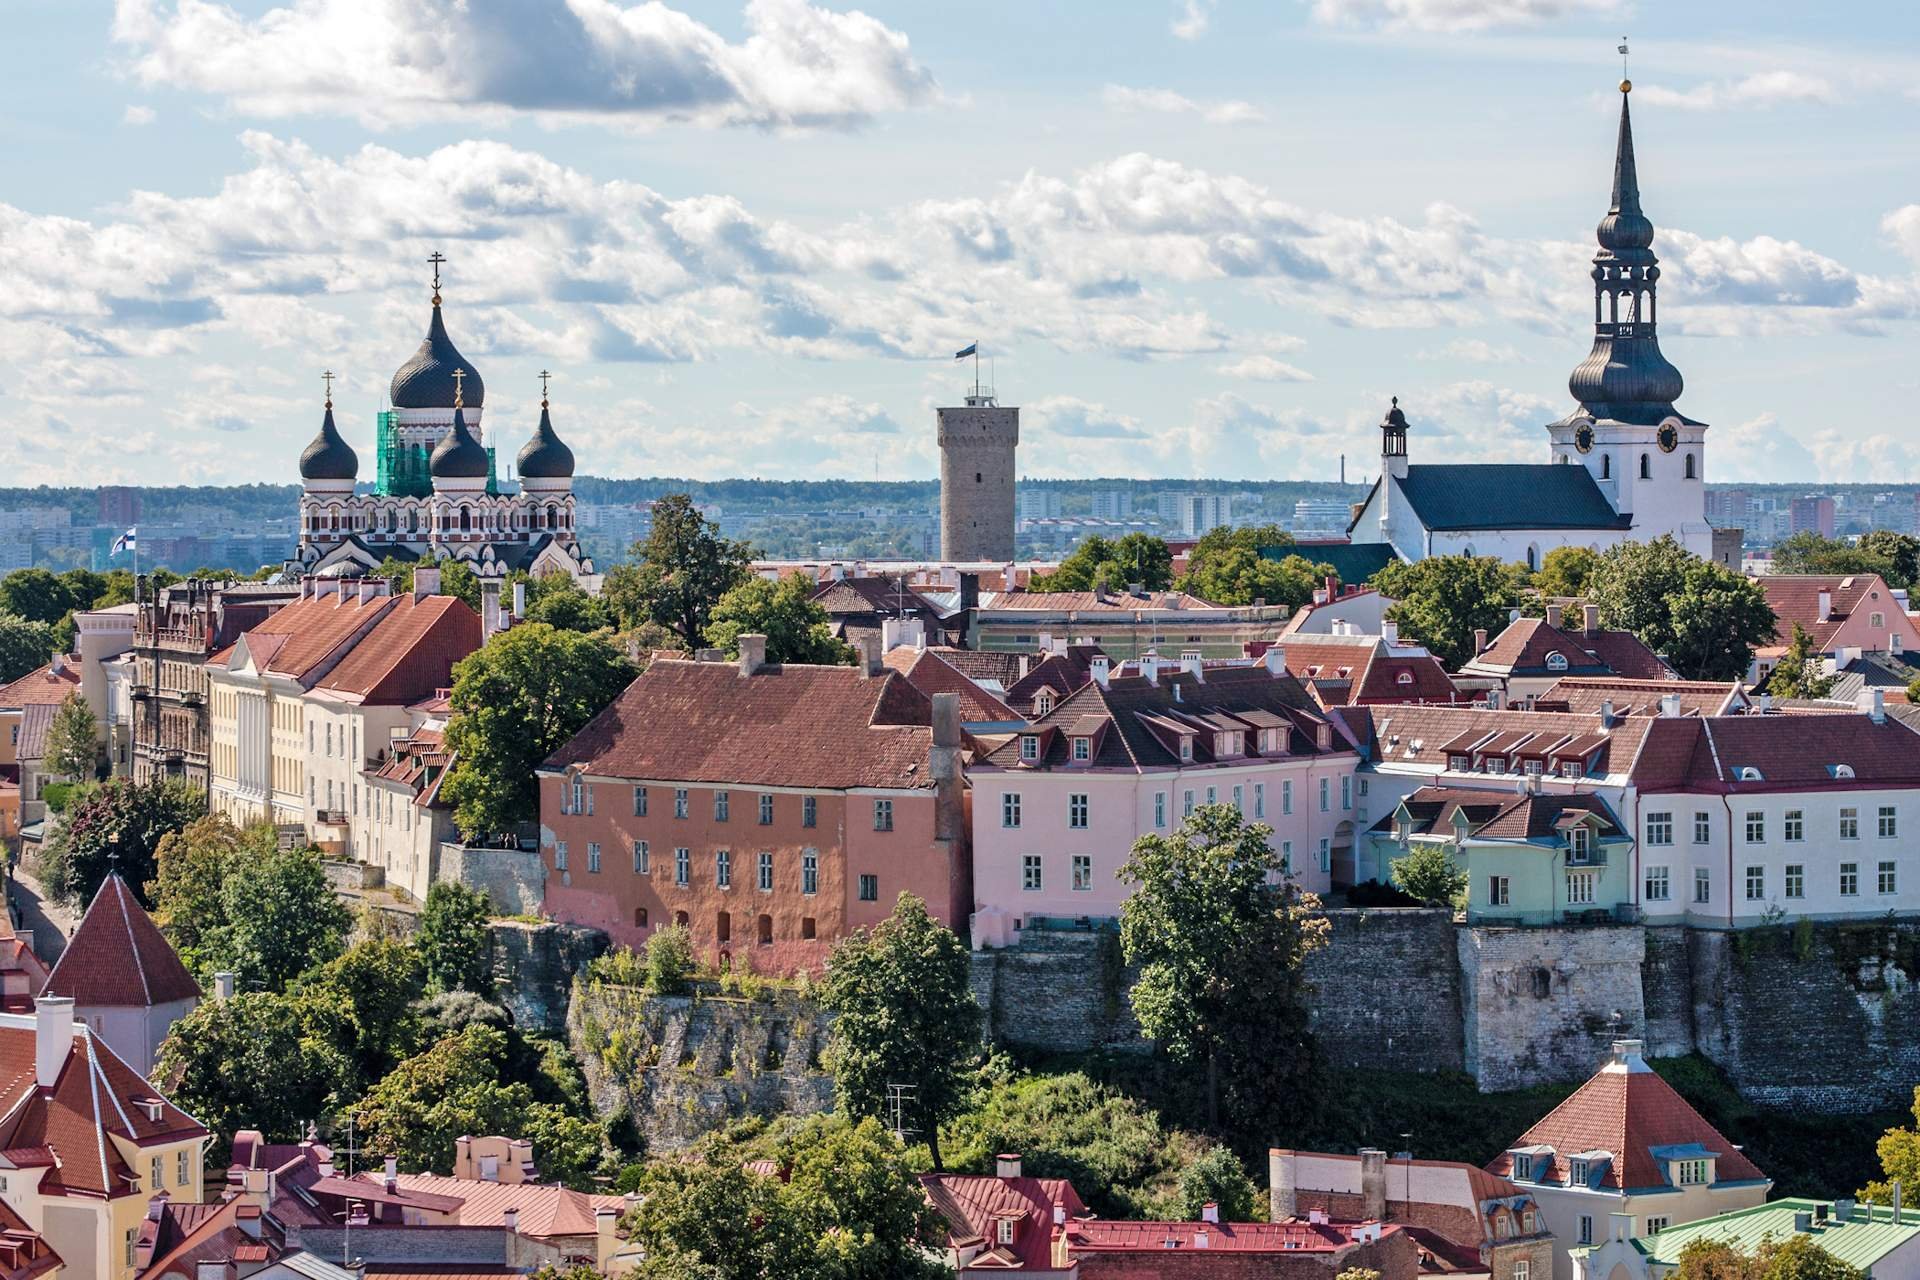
977,445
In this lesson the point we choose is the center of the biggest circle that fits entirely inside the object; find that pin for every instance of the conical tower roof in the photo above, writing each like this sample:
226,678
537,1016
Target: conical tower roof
119,958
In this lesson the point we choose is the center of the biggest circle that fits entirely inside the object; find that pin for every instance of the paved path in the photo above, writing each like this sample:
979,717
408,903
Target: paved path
51,923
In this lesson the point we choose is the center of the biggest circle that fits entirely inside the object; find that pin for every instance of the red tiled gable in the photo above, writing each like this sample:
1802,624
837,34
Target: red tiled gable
1523,649
23,1253
1002,668
1805,753
119,958
792,725
185,1235
1520,815
35,719
1795,597
1064,673
1583,695
975,1205
931,674
1362,669
1421,734
545,1211
1626,1110
303,635
409,654
44,687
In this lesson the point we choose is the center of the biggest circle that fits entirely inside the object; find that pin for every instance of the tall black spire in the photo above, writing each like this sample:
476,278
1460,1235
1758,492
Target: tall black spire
1625,377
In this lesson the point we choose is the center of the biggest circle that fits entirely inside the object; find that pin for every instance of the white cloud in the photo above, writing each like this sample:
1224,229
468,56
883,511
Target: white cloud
1760,89
1474,351
1121,98
1191,22
137,115
1265,369
1453,15
389,62
1902,226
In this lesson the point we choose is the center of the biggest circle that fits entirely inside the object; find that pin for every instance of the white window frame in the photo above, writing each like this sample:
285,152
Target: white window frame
1010,810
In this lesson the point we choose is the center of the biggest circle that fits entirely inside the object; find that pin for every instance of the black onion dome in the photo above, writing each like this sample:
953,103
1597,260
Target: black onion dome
329,456
458,455
426,380
545,457
1396,416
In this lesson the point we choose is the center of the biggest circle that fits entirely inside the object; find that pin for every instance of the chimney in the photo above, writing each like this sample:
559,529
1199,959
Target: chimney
1140,589
1479,640
1825,610
1101,667
1670,705
753,654
1606,712
426,581
1590,614
946,720
1553,616
605,1241
1627,1052
1190,663
1275,660
1803,1222
490,621
1332,583
1878,712
212,1269
1373,1184
1010,578
1281,1200
1200,1240
1496,699
839,572
366,590
519,599
52,1037
1150,666
510,1219
1620,1226
1843,1210
1513,616
1210,1212
1896,1201
223,982
1390,631
969,591
391,1173
1006,1165
870,664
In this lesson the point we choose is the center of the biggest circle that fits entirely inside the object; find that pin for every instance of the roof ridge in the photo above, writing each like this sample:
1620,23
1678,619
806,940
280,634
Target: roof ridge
133,944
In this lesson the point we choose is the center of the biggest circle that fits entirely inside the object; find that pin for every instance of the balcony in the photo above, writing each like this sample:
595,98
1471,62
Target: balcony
142,692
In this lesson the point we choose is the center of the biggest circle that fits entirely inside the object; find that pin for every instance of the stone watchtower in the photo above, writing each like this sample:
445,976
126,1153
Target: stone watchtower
977,444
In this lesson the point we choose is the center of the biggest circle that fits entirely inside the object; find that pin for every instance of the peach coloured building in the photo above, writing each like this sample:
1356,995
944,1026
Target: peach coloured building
771,808
1057,807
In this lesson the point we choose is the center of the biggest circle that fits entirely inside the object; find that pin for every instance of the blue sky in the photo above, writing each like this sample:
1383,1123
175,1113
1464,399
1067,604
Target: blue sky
1197,238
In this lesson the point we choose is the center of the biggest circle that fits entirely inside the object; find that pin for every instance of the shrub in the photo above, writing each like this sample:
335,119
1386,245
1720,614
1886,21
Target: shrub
1371,893
670,962
1428,873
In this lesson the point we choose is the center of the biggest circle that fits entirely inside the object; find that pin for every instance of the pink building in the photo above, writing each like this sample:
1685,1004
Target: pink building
1057,808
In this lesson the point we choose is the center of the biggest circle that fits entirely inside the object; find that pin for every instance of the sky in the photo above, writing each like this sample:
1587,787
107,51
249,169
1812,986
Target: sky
1194,237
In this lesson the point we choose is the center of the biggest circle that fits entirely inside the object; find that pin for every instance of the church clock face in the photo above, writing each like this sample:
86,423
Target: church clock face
1669,438
1583,439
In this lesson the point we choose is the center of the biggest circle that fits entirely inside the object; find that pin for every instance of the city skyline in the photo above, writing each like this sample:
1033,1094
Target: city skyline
1212,242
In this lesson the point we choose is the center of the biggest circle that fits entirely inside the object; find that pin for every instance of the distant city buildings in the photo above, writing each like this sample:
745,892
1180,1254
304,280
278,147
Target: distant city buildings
1190,514
1813,515
1113,504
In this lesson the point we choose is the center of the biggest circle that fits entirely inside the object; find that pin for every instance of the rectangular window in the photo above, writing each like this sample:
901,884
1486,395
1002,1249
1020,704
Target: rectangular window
1522,1167
809,811
1796,880
1579,888
1325,793
1213,795
766,873
1793,826
1082,871
1522,1269
1259,800
1889,822
679,802
1702,827
1326,854
1702,885
722,804
1499,891
682,866
589,799
1030,872
1010,809
1660,828
1586,1229
1849,824
180,1170
1656,1225
1849,879
593,856
1077,811
1160,809
1889,878
1346,792
809,872
1239,798
723,868
883,815
869,888
1286,796
1580,845
157,1168
1286,857
1659,886
1756,826
642,862
560,855
1186,804
1082,749
1693,1173
639,802
766,810
1030,747
1756,883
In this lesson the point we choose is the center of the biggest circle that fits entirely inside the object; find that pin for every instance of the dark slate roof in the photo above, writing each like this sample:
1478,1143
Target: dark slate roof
544,457
329,456
426,380
1353,562
1508,495
458,454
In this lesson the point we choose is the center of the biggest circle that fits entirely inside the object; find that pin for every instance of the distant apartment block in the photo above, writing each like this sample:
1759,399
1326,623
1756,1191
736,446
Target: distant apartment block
1729,508
1113,504
1037,504
1193,514
1319,513
1813,515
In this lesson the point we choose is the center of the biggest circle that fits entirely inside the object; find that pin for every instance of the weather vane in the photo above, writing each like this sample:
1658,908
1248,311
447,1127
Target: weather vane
1625,84
436,258
327,377
458,374
544,375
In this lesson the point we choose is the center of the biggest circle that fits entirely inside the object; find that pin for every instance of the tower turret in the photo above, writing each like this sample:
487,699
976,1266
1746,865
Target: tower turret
978,442
328,463
545,463
459,461
1393,442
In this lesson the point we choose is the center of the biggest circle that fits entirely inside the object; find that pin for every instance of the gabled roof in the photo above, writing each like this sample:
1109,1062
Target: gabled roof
299,639
1092,602
118,958
35,719
23,1253
1584,695
1112,1235
408,655
1426,734
930,673
1524,648
1626,1110
785,725
42,687
1508,815
1064,673
1359,669
1795,597
1463,497
1751,753
545,1210
975,1205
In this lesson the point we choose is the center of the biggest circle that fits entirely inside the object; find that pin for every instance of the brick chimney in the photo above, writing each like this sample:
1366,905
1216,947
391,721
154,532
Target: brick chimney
1373,1184
1479,640
1590,615
753,654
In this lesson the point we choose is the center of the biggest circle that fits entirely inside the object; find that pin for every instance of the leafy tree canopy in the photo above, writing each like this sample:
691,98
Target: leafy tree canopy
24,646
1794,1257
1566,572
684,567
282,918
1226,567
1706,620
454,942
1891,555
560,602
1799,674
37,595
797,629
373,988
1427,871
1443,600
1113,564
116,826
73,739
191,867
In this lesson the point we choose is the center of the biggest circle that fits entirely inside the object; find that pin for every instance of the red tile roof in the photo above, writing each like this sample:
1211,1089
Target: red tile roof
1364,669
544,1210
1423,734
1584,694
931,673
1522,815
1836,752
1524,649
1111,1235
302,637
975,1205
409,654
1627,1111
119,958
45,686
1091,602
23,1254
791,725
1795,597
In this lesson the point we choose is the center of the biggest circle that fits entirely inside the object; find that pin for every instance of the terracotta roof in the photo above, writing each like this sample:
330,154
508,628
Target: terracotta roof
1091,602
1492,814
997,666
1524,648
887,597
1752,753
1112,1235
545,1211
930,673
23,1253
1064,673
1427,734
1795,597
119,958
975,1205
790,725
409,654
44,687
1362,669
301,637
1584,694
35,719
175,1238
1628,1111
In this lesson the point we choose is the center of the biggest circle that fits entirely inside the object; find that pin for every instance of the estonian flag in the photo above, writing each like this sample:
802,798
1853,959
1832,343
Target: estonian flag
126,541
966,351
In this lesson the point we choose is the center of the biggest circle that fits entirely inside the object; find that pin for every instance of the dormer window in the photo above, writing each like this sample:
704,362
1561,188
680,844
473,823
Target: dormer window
1030,746
1186,747
1522,1166
1226,744
1323,737
1747,773
1269,740
1459,763
1556,661
1692,1173
1496,764
1837,770
1043,702
1082,750
1571,769
1405,677
1579,1173
1579,845
1006,1231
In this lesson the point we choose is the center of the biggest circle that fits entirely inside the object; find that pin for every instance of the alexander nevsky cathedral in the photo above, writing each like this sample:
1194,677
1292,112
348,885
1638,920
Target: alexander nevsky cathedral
436,490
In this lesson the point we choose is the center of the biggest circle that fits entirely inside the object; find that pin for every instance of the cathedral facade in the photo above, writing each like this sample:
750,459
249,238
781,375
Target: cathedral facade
436,492
1624,465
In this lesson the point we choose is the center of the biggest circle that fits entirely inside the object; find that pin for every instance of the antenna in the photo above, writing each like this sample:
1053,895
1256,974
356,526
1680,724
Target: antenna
899,1096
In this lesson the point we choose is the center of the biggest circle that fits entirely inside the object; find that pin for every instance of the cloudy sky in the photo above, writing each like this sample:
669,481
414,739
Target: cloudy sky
1198,237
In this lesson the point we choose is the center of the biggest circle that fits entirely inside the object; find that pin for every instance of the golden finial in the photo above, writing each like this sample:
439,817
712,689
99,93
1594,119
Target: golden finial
1626,85
544,375
458,374
436,258
327,377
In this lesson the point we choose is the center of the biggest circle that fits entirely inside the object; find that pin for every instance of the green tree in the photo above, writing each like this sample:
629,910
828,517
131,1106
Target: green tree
906,1016
1217,1177
1706,620
516,702
1899,1152
73,740
1226,567
36,595
282,918
1566,572
1219,931
24,646
116,826
254,1062
1898,553
557,600
709,1217
191,867
1113,564
85,588
1810,552
670,960
685,566
1428,872
374,987
797,629
1799,674
1442,600
454,941
1795,1257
